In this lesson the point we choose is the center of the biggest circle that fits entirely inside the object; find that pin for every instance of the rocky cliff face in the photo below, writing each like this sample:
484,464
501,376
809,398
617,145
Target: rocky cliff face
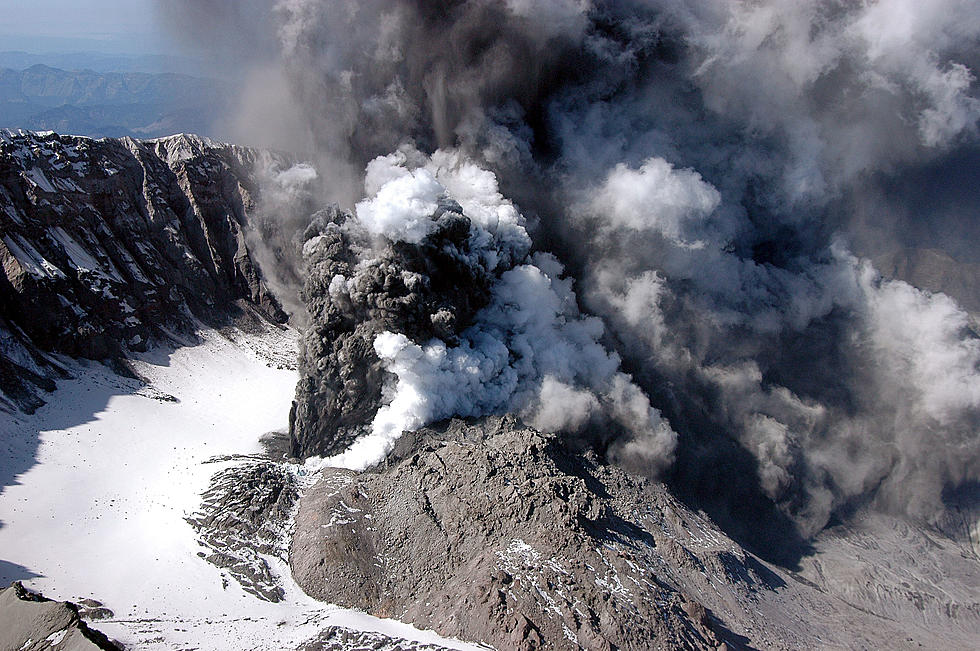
107,244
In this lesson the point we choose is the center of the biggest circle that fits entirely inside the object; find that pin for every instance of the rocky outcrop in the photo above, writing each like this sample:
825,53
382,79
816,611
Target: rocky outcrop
494,533
245,517
107,244
30,622
337,638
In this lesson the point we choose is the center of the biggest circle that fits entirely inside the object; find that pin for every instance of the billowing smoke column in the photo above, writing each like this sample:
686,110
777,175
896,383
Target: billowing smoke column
716,175
432,279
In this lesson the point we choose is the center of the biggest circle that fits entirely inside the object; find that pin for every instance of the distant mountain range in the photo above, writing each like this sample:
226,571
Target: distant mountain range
102,62
110,104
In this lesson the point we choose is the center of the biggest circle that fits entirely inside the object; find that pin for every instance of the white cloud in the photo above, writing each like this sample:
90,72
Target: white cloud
655,197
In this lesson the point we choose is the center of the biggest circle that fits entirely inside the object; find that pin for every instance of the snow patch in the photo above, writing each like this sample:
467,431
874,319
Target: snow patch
33,262
101,510
36,177
80,258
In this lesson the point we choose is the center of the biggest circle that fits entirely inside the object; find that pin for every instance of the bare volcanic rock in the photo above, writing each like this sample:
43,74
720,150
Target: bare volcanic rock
492,533
30,622
244,518
338,638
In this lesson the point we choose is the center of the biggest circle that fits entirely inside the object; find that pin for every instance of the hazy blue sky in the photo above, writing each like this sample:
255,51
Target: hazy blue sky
110,26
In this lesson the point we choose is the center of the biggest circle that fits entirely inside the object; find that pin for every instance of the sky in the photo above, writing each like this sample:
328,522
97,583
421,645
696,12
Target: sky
105,26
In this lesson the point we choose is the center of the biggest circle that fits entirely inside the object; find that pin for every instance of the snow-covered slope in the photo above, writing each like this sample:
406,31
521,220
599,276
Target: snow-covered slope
100,511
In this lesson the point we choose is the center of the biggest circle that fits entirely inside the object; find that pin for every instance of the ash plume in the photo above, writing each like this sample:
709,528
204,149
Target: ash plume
714,175
431,281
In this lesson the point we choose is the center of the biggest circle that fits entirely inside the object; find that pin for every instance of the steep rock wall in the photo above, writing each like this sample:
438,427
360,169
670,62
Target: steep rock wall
107,244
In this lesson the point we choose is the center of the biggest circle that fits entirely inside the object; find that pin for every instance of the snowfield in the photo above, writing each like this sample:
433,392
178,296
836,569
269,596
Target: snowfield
114,465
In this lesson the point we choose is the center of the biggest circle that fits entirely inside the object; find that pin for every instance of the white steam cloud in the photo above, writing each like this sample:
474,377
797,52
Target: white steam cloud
655,197
529,351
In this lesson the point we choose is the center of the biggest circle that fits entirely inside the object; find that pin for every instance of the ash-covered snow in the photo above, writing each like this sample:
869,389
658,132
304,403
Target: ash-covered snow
120,463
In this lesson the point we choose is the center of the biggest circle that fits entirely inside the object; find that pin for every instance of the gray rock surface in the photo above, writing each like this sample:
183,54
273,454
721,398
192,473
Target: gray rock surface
337,638
107,244
486,533
245,515
494,533
936,271
900,571
30,622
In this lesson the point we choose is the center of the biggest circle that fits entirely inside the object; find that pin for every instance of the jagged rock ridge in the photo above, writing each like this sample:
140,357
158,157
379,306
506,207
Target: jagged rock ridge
337,638
244,516
106,244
